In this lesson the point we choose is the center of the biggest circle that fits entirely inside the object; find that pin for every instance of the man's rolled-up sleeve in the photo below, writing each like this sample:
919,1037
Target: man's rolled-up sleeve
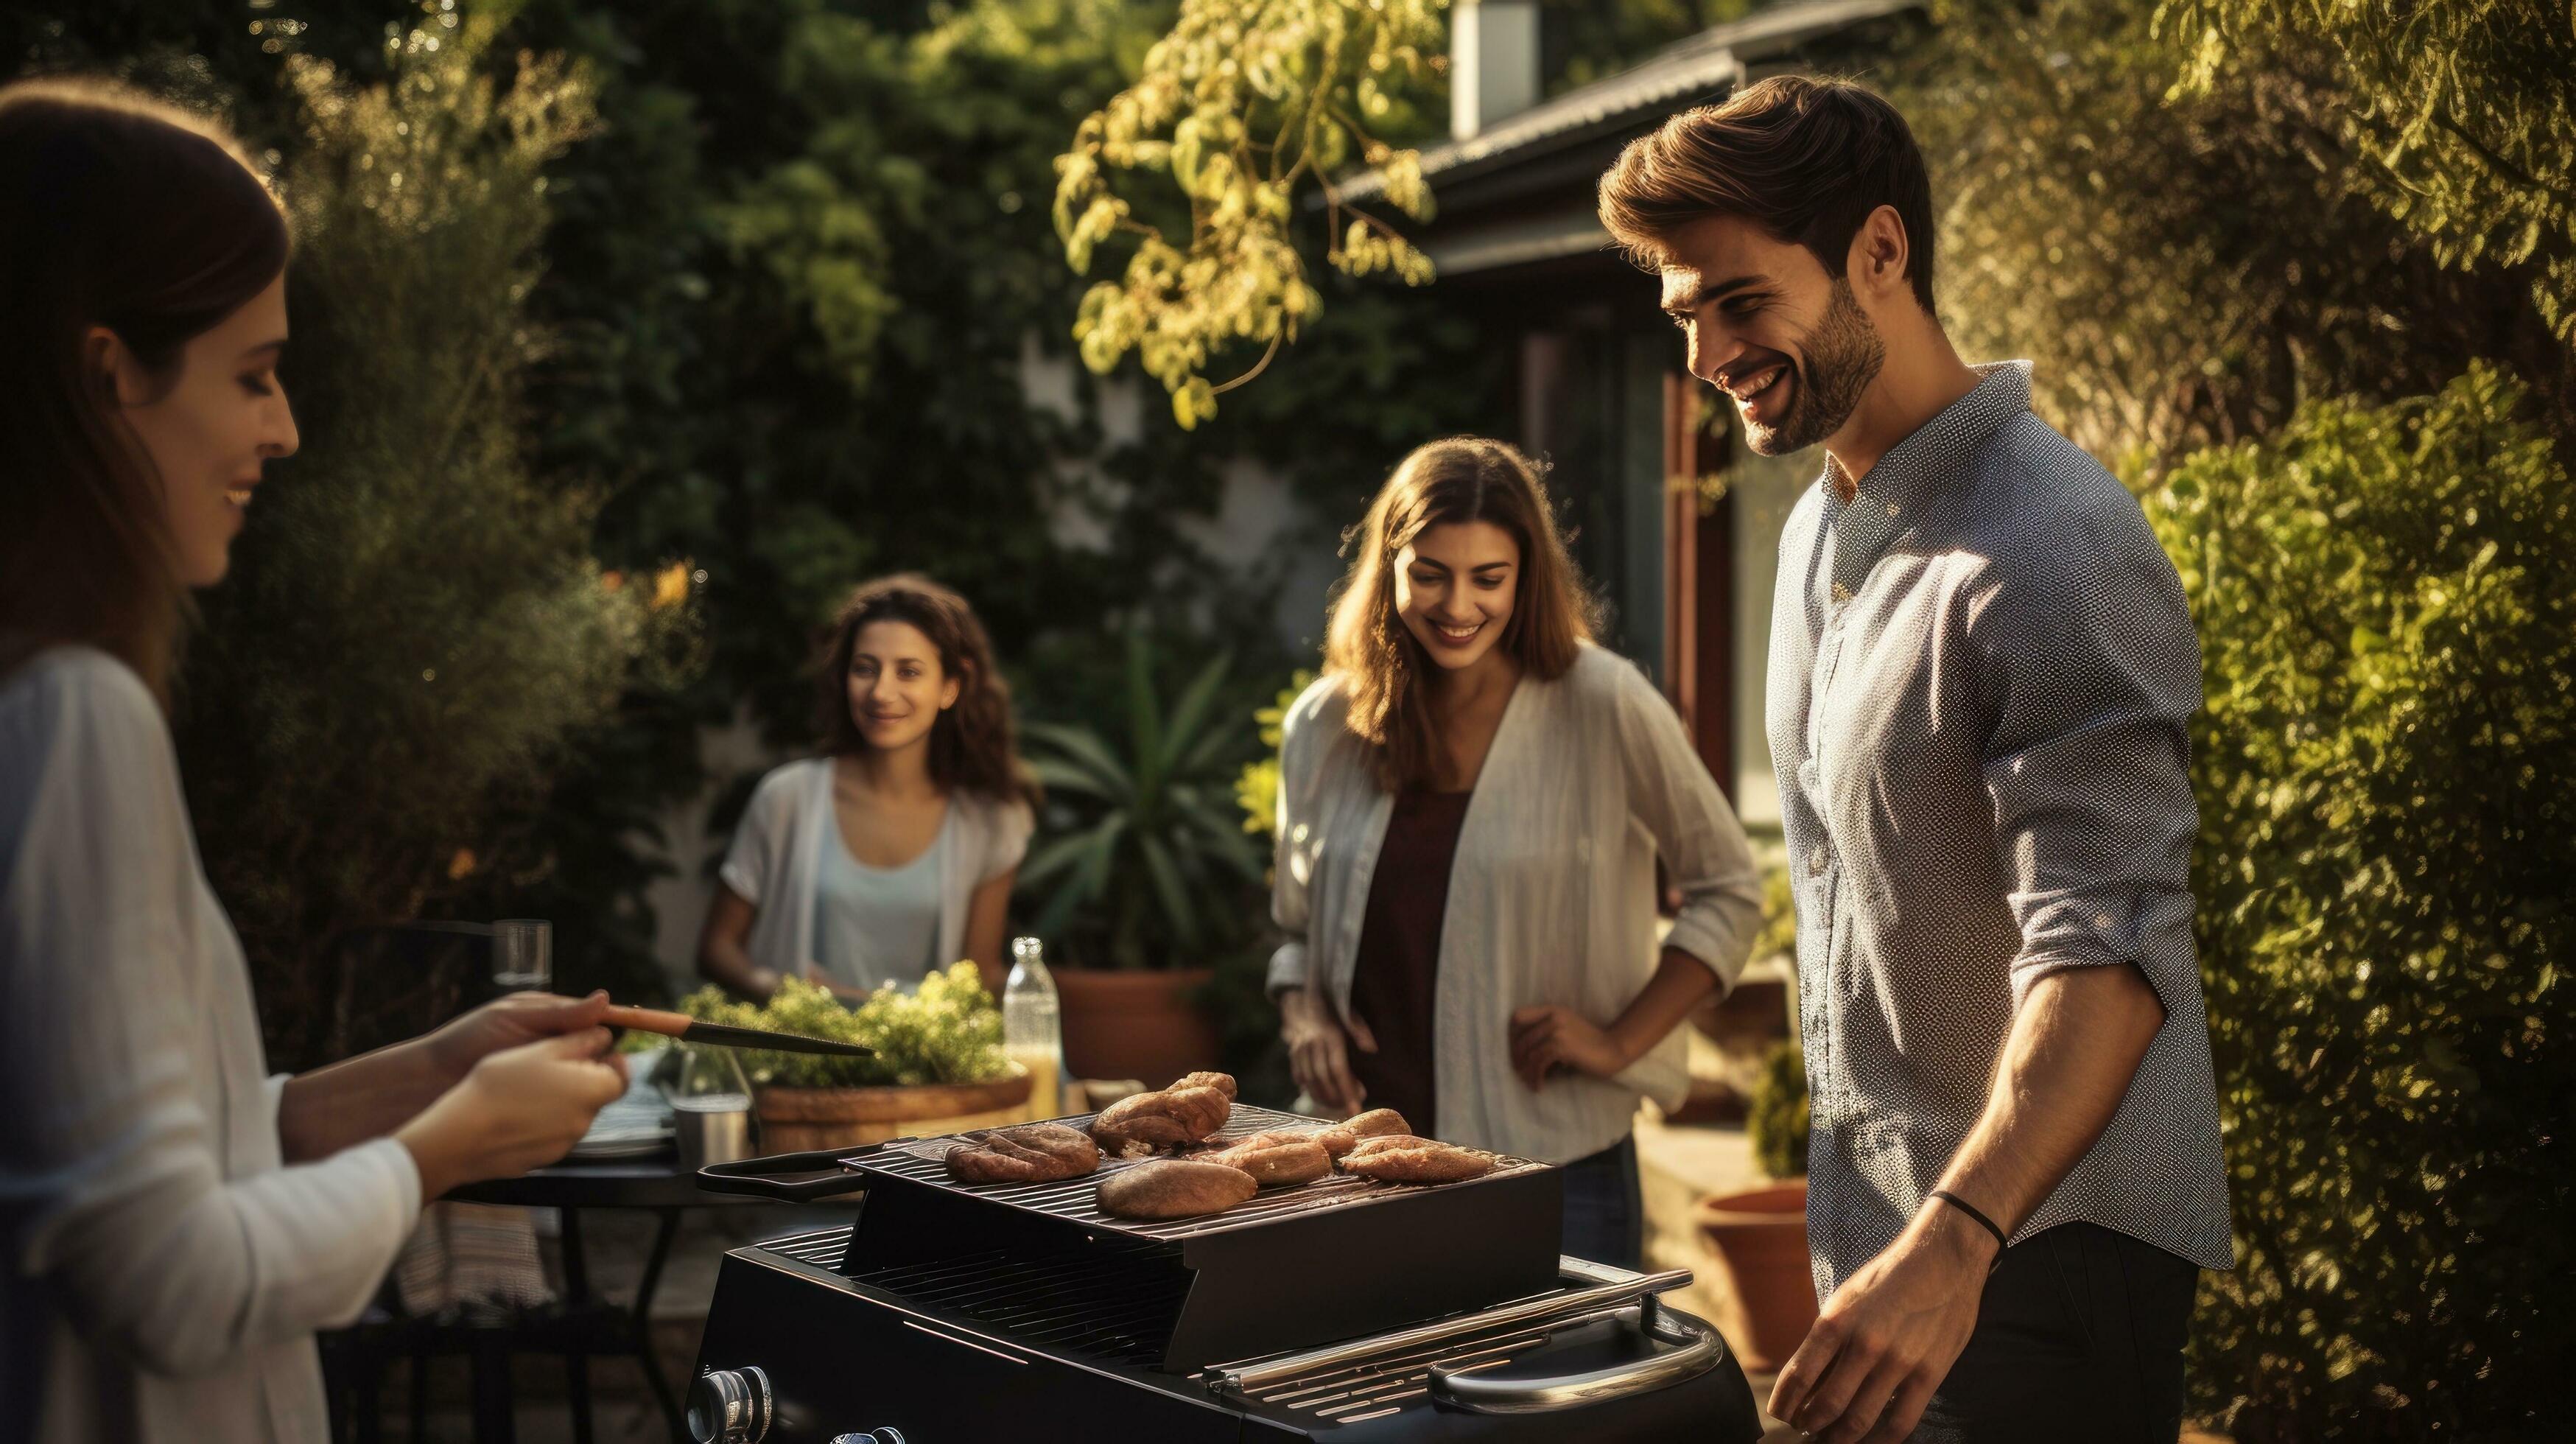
2091,671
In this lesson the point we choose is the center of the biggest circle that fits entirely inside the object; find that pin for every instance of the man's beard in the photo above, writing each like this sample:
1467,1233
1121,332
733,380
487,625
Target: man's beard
1841,356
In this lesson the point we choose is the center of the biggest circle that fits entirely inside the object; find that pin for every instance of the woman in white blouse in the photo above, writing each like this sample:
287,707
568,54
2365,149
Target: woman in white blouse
894,852
175,1225
1472,801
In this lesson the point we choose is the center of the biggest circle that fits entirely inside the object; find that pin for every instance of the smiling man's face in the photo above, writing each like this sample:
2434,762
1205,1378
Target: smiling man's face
1771,329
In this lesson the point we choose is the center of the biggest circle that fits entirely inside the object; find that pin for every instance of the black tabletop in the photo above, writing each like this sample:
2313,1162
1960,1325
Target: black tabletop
654,1182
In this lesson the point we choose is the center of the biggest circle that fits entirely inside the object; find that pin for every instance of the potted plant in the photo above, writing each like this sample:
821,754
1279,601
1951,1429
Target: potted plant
1144,875
1760,1235
938,1065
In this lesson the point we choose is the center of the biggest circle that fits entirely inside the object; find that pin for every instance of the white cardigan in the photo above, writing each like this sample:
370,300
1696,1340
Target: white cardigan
1551,895
778,848
164,1272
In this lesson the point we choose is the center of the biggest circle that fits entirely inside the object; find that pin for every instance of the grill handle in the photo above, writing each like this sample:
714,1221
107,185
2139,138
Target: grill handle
1699,1350
1610,1287
763,1177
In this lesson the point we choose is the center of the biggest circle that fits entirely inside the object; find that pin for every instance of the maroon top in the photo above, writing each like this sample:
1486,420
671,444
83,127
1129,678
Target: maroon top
1398,968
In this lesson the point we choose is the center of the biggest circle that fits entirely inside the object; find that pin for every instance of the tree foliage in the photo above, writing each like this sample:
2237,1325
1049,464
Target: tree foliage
415,631
2386,885
2461,115
2184,267
1238,105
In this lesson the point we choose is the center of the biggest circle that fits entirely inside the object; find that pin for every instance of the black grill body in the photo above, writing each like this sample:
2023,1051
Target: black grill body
1344,1309
917,1350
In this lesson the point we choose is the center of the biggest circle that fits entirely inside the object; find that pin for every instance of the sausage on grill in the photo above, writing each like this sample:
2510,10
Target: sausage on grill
1035,1153
1275,1160
1174,1117
1403,1158
1169,1188
1342,1137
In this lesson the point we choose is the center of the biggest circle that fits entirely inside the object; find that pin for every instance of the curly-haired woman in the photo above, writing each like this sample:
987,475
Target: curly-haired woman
1472,802
894,851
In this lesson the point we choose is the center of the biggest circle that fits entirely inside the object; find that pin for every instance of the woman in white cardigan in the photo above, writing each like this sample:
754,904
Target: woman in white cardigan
174,1224
894,852
1472,801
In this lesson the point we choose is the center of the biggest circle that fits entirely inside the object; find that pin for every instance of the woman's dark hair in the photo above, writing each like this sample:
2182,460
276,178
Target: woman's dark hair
1367,645
1807,159
116,210
972,745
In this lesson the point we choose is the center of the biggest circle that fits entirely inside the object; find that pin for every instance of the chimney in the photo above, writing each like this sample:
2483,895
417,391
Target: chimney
1493,63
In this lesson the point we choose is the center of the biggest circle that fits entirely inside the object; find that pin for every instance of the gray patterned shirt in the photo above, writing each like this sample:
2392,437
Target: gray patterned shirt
1982,678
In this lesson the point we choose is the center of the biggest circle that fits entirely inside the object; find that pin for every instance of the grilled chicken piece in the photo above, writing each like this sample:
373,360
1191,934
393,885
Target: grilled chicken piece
1403,1158
1148,1123
1275,1160
1341,1138
1034,1153
1169,1188
1221,1082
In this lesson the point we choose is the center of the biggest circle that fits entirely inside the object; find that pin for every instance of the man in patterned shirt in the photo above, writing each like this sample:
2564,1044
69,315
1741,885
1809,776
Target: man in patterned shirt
1981,679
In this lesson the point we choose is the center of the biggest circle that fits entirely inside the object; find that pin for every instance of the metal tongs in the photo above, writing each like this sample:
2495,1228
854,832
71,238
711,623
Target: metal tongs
720,1035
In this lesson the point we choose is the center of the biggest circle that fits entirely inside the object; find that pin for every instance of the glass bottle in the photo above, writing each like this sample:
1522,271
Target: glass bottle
1033,1029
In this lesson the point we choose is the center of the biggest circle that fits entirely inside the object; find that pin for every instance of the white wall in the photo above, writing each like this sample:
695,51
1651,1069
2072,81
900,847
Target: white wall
1765,489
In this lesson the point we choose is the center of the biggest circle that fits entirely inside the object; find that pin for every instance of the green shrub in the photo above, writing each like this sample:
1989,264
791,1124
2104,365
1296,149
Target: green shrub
950,1031
1776,1116
416,634
1256,789
2387,777
1138,862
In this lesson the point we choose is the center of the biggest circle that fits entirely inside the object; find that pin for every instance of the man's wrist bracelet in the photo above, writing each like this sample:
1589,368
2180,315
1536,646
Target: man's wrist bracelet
2002,1240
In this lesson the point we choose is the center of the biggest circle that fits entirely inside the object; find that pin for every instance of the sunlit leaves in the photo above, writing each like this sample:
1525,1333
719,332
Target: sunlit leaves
2465,113
2386,865
1243,103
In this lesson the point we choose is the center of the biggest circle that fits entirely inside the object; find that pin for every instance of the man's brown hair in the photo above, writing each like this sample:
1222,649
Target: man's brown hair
1805,159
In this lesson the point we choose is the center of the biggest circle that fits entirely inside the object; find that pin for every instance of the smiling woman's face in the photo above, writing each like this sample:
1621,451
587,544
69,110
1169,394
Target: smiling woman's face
896,685
211,427
1454,588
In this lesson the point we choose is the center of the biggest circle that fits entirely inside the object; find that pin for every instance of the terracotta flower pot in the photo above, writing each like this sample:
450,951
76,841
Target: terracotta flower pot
1760,1239
1121,1023
795,1119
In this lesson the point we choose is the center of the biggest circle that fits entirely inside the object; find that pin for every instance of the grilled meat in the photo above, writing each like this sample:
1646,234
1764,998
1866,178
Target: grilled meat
1403,1158
1033,1153
1342,1137
1275,1160
1221,1082
1175,1117
1169,1188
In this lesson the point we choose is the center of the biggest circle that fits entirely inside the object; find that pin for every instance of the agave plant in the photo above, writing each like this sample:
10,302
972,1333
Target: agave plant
1144,862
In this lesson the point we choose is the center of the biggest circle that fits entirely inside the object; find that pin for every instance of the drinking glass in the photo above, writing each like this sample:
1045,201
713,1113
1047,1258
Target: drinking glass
523,954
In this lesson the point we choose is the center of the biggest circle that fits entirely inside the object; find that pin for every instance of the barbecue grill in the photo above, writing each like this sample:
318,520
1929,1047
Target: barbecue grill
1342,1309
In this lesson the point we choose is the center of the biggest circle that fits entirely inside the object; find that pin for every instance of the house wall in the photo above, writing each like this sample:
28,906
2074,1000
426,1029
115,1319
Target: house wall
1763,490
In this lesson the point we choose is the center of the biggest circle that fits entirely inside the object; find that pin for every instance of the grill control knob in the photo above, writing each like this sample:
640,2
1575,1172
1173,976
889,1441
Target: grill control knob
729,1406
874,1436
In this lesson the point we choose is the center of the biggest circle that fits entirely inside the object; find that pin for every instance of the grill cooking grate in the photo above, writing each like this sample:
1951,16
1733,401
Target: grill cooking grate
1119,1306
925,1161
822,1248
